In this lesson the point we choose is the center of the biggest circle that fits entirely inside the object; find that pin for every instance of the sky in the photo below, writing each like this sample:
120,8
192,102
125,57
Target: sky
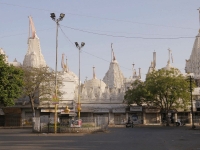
136,28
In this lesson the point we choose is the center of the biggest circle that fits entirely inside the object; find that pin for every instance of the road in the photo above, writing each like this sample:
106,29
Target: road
137,138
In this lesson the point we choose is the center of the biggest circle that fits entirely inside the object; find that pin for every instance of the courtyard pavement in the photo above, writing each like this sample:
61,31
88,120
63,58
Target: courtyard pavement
137,138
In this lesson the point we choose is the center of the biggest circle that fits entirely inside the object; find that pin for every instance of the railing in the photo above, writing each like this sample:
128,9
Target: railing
70,125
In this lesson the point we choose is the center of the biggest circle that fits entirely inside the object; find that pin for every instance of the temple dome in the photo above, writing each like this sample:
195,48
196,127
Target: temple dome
95,83
93,89
15,63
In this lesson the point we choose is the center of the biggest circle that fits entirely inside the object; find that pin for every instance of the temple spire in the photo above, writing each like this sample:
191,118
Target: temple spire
111,52
33,57
168,62
134,72
67,68
154,59
139,73
199,18
94,75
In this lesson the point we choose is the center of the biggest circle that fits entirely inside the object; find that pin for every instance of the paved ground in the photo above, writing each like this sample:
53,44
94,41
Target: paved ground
137,138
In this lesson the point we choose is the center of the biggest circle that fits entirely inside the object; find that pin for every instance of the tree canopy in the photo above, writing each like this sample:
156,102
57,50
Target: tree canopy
11,82
165,89
39,85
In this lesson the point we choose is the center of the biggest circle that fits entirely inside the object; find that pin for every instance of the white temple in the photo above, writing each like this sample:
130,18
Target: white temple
101,98
33,57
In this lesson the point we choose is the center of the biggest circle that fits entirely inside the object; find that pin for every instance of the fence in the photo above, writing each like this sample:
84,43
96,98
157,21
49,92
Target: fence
66,124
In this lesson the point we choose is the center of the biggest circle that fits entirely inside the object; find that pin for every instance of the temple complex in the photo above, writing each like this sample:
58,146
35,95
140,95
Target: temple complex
101,98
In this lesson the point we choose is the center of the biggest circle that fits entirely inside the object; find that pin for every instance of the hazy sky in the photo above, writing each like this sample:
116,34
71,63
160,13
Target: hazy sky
136,28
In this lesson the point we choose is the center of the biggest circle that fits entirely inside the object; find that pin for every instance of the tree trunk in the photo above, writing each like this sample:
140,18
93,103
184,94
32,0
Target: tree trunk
167,118
32,106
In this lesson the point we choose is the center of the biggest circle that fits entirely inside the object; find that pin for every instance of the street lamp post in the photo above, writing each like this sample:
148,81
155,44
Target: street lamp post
190,78
79,71
53,16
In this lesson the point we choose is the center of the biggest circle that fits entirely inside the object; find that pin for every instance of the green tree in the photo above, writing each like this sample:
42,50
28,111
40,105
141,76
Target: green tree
11,82
165,89
39,85
136,93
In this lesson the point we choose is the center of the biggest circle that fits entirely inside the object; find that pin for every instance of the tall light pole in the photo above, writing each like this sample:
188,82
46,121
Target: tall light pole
53,16
190,78
79,72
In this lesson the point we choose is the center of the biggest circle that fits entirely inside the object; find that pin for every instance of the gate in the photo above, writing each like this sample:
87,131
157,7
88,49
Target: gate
151,118
2,120
12,119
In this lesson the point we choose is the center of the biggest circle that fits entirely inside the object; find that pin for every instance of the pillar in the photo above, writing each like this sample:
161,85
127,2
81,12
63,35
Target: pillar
126,117
175,117
190,117
144,118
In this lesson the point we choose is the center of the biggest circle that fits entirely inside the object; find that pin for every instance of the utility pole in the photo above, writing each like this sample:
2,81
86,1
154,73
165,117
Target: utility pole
53,17
79,80
191,89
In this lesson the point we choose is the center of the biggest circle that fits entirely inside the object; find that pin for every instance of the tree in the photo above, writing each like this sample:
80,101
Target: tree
11,82
136,93
165,89
39,85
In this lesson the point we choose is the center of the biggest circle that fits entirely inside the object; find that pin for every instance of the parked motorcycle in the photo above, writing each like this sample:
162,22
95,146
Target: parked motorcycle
179,123
129,123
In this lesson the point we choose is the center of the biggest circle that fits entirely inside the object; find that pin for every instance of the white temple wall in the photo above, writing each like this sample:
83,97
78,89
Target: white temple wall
69,90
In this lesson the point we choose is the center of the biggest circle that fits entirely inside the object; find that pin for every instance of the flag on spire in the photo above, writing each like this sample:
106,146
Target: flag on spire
32,27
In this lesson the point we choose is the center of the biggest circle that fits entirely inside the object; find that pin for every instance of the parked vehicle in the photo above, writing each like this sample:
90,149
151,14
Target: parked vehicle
129,123
179,123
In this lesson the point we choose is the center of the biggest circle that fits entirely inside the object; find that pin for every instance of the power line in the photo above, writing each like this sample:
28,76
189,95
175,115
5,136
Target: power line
88,52
95,17
5,36
127,32
129,37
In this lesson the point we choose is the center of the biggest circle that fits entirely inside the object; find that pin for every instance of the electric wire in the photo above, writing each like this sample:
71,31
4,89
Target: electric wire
129,37
93,54
88,52
94,32
102,18
5,36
